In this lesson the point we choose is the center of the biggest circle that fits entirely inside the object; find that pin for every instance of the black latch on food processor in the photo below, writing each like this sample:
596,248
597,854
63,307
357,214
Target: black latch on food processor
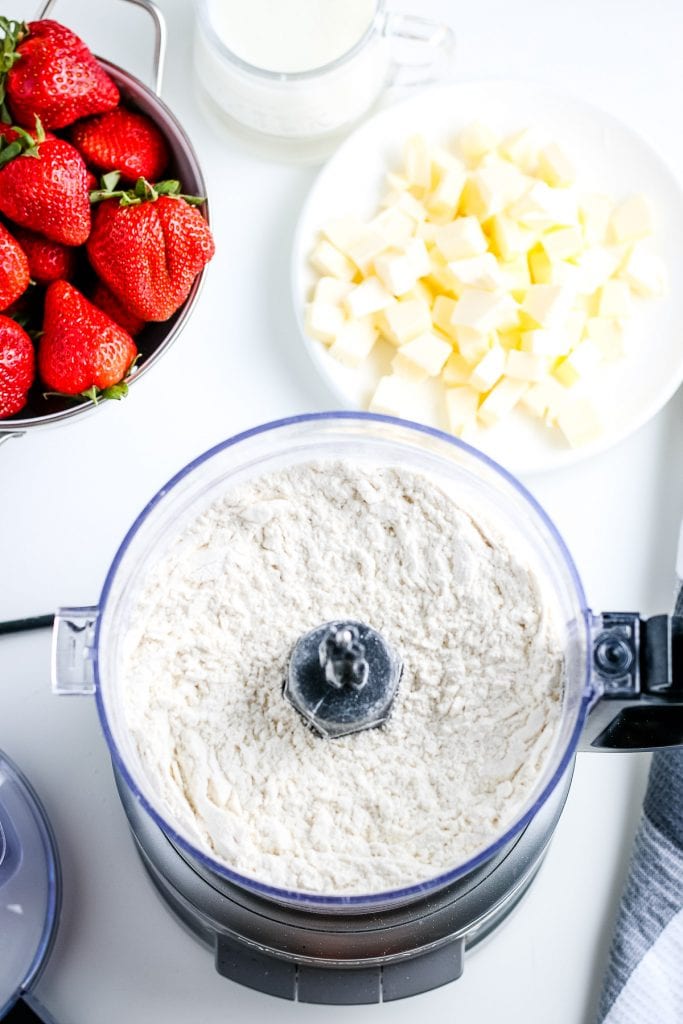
638,668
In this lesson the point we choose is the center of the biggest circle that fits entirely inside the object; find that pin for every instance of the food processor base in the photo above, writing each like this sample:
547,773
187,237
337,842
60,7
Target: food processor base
374,956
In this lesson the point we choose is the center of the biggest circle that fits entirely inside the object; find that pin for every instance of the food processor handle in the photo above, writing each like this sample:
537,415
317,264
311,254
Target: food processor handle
73,640
637,680
157,17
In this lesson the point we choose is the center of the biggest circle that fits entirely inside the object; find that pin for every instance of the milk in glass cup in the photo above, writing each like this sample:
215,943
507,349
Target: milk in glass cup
298,74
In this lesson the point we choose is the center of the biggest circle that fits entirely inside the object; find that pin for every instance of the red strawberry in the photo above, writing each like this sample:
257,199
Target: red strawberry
17,366
149,246
113,307
92,181
82,351
52,75
14,269
43,187
47,260
122,140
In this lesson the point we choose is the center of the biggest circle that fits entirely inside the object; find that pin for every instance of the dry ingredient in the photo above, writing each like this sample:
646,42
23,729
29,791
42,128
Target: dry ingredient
233,762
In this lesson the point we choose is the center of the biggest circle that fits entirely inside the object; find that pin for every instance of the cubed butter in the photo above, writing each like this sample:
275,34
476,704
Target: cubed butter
475,141
581,422
354,343
595,211
631,219
330,262
545,400
543,207
472,344
394,396
444,199
370,296
422,357
596,265
461,408
563,243
555,167
417,163
323,321
547,305
484,311
488,370
608,334
364,248
342,231
331,290
543,342
406,202
508,238
527,366
395,226
460,239
456,370
515,275
580,362
399,270
644,271
522,148
477,272
403,321
442,313
501,400
615,299
489,190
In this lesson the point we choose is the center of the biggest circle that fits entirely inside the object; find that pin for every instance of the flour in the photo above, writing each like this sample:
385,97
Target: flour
236,766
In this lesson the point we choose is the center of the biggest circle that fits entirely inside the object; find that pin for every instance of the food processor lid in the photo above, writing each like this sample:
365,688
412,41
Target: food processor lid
30,886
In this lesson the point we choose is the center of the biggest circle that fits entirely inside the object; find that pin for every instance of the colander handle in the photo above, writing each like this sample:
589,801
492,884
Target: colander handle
159,35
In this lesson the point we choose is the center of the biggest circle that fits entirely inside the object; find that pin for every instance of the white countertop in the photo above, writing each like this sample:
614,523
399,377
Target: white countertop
68,495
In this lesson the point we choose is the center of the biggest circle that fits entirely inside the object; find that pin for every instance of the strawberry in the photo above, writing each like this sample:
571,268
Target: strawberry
82,351
148,245
113,307
43,186
122,140
17,366
47,260
50,73
14,269
92,181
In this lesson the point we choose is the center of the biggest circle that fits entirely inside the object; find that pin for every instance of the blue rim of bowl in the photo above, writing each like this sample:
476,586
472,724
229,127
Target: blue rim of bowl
353,900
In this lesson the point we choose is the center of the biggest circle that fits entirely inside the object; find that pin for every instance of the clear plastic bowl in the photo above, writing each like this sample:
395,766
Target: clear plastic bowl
357,437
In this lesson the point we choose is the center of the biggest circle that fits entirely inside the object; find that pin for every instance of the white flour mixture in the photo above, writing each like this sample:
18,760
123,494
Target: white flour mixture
234,763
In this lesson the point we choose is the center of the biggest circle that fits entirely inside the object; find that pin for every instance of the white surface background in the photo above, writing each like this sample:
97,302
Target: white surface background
67,496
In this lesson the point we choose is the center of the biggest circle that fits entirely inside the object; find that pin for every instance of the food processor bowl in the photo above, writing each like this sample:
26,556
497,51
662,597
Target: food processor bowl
478,483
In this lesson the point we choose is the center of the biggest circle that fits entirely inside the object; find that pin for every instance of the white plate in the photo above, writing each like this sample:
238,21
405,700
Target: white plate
609,157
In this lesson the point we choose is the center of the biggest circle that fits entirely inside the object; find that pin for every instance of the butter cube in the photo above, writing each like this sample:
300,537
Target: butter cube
354,343
461,408
631,220
442,313
595,211
547,305
491,189
563,243
476,272
608,335
364,248
397,182
444,199
488,370
330,262
475,141
394,396
580,422
615,299
508,238
406,203
342,231
323,321
555,167
331,290
522,149
581,361
544,343
484,311
514,273
596,266
546,270
422,357
399,270
545,400
501,400
472,344
573,328
403,321
644,271
419,291
509,339
460,239
417,163
456,370
395,226
368,297
426,230
543,207
526,366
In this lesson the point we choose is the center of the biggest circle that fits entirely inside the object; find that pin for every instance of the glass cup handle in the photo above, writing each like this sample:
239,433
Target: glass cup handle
422,36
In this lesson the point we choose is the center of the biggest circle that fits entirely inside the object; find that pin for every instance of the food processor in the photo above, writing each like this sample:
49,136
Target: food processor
623,690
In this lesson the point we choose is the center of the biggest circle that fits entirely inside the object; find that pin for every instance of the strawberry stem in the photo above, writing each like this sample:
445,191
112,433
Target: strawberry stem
142,192
12,34
25,145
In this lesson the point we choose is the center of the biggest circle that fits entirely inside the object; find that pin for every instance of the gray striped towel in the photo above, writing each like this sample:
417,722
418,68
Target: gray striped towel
644,982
